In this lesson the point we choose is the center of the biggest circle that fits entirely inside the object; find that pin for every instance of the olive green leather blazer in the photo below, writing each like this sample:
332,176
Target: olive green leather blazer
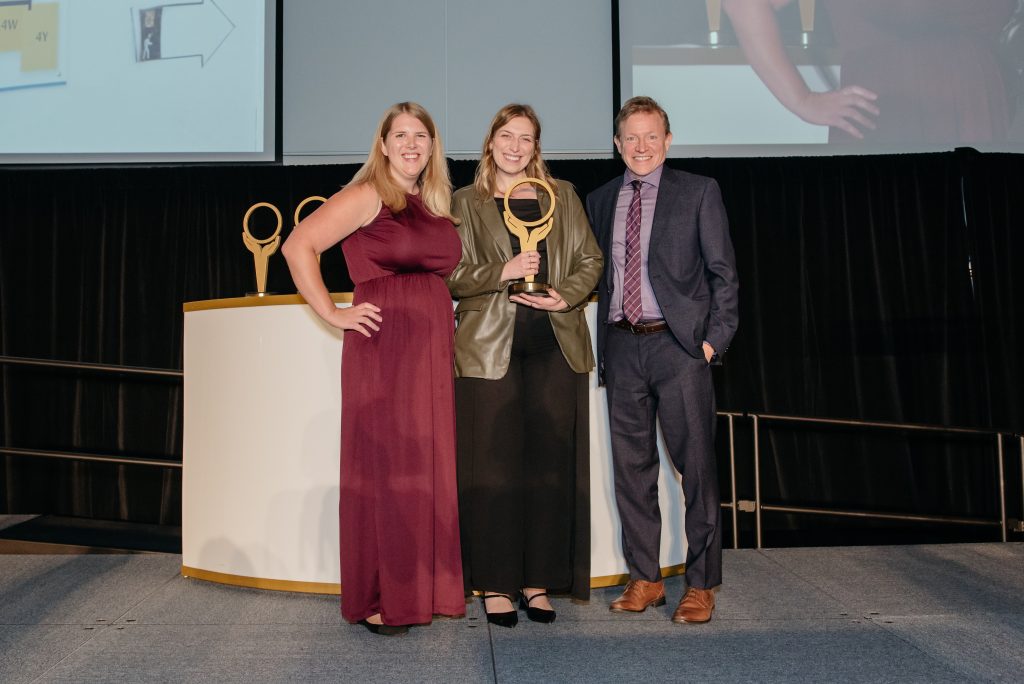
485,318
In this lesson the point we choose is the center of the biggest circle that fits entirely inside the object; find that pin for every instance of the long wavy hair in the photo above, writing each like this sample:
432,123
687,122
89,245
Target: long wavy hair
434,183
485,180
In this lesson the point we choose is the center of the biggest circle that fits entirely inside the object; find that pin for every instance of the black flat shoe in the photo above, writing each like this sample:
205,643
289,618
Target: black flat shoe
384,630
536,614
508,618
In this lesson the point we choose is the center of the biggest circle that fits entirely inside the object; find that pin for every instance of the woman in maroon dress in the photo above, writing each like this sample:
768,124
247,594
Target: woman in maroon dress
399,529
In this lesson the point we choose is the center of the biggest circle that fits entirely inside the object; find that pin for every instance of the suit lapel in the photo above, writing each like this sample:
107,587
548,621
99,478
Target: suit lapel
555,239
669,190
606,226
491,217
605,219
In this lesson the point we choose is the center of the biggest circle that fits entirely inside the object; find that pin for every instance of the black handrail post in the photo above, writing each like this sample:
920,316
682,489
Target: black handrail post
732,476
757,478
1002,484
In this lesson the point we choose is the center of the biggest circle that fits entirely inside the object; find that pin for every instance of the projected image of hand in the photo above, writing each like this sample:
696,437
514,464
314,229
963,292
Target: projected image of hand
851,109
914,72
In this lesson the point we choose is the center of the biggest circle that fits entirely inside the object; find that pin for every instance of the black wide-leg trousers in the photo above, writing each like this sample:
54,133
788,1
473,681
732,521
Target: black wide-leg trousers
517,469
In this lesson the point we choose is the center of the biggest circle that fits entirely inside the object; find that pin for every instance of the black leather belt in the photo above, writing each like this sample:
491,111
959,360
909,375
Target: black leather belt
647,328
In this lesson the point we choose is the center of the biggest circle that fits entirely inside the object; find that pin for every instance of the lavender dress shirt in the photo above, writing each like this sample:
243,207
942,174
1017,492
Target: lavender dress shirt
648,200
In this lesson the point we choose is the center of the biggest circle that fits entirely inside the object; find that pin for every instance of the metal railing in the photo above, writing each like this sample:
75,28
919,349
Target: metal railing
86,366
94,458
759,506
735,505
91,367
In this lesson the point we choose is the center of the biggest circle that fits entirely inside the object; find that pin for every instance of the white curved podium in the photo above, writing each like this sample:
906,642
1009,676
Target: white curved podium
261,452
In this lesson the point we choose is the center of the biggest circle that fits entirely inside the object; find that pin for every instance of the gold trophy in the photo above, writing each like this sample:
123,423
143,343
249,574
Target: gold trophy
714,10
714,21
261,249
528,240
806,21
302,204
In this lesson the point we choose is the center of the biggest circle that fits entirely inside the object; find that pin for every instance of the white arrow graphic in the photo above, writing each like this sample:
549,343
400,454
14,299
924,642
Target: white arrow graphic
181,30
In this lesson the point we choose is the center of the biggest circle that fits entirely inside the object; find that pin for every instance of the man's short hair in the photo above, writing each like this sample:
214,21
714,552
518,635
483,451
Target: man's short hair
641,104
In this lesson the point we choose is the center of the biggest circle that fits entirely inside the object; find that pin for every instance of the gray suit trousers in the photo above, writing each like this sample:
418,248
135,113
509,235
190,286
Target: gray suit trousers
651,379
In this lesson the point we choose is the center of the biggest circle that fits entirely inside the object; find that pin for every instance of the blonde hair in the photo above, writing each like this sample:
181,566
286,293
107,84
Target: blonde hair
641,104
434,184
485,180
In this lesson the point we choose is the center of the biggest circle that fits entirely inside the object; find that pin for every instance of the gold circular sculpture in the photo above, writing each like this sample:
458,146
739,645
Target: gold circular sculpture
528,241
261,249
303,203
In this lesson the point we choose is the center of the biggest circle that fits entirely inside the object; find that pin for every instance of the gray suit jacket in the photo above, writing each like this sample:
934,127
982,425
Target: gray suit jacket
691,261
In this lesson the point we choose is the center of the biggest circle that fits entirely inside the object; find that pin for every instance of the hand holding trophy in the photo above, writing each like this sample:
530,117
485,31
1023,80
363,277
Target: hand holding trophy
529,240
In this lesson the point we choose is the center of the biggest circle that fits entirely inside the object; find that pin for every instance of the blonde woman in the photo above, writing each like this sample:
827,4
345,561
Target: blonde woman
400,561
521,382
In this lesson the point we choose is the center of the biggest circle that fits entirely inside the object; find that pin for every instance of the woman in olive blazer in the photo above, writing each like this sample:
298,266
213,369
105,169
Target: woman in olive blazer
521,386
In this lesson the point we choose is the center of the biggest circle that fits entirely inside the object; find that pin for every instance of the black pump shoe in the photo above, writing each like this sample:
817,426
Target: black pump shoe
384,630
508,618
536,614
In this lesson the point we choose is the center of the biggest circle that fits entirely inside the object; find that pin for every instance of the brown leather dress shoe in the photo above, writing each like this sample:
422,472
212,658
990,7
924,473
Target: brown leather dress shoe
638,595
695,607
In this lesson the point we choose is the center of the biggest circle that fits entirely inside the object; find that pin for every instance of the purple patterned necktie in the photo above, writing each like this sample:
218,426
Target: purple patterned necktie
632,304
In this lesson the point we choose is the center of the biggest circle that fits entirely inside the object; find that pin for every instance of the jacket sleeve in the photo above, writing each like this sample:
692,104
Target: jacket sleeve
720,269
473,276
588,263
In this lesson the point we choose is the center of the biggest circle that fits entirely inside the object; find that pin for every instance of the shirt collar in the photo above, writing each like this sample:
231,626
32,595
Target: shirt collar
652,179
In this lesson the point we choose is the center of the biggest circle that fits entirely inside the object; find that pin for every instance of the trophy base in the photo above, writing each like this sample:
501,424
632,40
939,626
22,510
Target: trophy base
259,294
535,289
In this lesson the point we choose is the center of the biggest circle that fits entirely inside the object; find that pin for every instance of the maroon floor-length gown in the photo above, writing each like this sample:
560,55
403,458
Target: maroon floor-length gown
399,525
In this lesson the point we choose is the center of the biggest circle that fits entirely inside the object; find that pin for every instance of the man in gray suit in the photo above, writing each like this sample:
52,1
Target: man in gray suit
667,310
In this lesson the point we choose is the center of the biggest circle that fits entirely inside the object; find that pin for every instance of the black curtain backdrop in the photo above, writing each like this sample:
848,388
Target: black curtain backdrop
880,288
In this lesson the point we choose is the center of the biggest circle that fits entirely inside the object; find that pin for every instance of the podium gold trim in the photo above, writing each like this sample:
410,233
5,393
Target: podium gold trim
329,588
261,583
269,300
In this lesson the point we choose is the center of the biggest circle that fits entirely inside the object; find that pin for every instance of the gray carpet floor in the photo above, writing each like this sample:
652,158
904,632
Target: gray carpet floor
941,613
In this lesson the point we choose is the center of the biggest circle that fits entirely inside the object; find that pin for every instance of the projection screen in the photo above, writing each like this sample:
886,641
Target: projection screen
346,62
774,77
94,81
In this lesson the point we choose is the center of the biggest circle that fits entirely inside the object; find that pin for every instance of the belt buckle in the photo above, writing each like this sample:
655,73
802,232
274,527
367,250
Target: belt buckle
648,328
